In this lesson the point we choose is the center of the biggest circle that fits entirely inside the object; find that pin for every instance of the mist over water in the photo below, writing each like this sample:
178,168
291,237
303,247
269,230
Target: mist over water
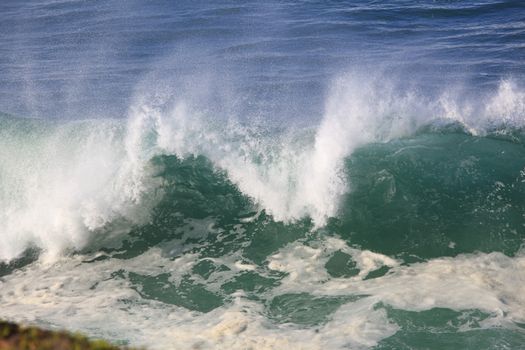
65,59
310,175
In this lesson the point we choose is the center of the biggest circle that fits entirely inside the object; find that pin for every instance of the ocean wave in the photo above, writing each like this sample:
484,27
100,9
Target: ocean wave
63,183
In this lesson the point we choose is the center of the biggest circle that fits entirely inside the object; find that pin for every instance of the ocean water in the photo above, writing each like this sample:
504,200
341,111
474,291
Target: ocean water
265,175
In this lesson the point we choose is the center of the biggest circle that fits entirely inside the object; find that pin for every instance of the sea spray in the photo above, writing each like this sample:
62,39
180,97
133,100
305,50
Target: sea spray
62,181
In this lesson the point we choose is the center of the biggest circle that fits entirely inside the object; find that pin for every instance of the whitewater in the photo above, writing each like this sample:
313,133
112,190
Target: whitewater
205,181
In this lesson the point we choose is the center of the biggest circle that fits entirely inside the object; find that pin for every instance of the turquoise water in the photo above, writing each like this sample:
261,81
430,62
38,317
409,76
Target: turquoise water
270,175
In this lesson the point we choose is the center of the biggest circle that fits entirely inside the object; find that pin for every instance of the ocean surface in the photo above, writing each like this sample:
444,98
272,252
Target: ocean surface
265,175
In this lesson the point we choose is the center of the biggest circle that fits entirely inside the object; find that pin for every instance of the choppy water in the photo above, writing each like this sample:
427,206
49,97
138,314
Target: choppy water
314,175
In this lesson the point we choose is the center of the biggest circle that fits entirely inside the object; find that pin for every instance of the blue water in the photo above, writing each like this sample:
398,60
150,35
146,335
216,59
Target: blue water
265,175
69,59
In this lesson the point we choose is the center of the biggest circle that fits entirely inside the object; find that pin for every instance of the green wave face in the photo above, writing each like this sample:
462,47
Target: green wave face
436,194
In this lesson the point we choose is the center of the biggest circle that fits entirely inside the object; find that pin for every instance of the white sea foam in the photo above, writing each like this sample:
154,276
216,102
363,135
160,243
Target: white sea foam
41,291
79,295
489,282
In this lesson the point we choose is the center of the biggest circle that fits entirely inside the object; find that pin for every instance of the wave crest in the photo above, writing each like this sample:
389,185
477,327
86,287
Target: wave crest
62,181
